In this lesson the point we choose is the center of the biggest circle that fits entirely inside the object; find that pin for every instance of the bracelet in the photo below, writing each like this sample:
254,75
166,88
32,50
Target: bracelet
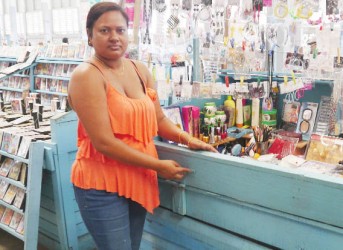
180,136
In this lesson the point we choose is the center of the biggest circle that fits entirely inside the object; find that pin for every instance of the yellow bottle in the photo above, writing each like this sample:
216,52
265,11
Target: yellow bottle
230,109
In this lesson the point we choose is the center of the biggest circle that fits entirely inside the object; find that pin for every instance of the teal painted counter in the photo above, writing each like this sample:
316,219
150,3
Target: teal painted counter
227,203
275,206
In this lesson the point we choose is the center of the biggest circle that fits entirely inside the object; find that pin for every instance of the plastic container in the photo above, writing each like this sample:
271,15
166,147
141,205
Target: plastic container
210,108
239,112
230,109
220,117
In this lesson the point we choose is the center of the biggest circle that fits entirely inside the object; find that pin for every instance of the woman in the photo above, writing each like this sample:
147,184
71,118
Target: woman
116,167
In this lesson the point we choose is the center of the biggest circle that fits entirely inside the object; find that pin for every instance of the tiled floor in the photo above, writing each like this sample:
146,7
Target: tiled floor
9,242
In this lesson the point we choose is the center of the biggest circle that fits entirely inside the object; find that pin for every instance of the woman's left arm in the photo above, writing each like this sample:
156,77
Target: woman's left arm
166,128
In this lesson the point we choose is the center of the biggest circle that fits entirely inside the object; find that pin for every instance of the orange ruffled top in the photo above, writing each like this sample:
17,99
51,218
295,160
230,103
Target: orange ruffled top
134,122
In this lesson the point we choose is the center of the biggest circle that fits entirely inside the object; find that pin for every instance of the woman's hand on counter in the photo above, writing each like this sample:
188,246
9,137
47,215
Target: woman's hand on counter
171,170
196,144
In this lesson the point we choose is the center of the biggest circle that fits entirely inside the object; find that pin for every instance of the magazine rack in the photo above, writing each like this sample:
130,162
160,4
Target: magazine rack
51,78
13,85
21,202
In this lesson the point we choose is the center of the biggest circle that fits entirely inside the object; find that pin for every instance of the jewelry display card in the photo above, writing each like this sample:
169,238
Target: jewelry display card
186,93
177,89
307,117
324,115
196,90
219,89
205,90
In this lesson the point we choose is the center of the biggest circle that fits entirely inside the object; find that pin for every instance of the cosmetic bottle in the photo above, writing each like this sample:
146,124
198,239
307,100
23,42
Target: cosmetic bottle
196,121
212,138
223,134
206,137
239,112
229,109
210,108
246,112
255,114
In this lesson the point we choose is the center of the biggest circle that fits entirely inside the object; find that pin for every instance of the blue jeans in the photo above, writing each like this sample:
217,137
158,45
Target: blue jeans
115,222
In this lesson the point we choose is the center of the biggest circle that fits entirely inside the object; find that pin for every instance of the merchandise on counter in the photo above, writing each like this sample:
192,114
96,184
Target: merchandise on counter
307,117
325,149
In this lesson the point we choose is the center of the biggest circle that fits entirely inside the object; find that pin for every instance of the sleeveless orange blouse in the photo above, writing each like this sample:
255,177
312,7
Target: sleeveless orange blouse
134,122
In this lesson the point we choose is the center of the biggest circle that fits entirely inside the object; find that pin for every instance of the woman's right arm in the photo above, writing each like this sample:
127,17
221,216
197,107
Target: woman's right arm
87,95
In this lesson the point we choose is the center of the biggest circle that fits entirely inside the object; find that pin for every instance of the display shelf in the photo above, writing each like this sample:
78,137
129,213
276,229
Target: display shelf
18,73
53,77
263,76
30,213
61,225
51,92
15,157
21,75
51,74
13,232
11,89
13,182
59,60
221,191
16,89
8,59
15,209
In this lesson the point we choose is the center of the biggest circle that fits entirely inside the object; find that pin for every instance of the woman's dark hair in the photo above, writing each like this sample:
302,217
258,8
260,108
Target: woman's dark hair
100,8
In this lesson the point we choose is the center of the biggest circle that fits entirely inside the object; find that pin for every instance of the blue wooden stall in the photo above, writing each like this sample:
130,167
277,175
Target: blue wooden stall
253,205
227,203
61,225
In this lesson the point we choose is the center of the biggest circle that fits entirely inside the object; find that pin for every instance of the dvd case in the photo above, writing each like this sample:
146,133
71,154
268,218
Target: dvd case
14,223
7,216
10,194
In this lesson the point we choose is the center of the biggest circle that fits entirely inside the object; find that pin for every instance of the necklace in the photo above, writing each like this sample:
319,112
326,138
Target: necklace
109,68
